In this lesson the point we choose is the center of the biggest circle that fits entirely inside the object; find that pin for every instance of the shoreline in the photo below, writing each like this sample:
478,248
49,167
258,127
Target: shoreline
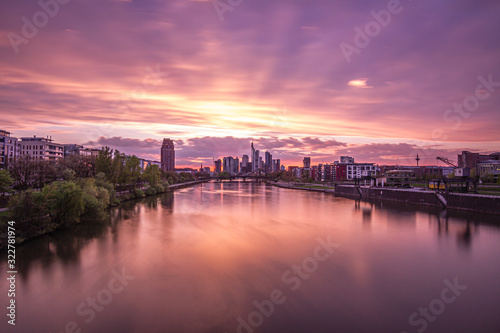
465,202
171,188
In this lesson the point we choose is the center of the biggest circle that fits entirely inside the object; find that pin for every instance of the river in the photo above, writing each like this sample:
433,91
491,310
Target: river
249,257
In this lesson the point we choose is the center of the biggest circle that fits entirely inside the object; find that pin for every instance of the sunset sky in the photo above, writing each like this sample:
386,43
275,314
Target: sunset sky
126,74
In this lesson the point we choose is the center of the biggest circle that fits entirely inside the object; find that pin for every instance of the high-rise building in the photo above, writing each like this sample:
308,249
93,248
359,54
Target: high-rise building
252,157
257,159
167,155
231,165
218,166
245,164
268,161
278,164
307,162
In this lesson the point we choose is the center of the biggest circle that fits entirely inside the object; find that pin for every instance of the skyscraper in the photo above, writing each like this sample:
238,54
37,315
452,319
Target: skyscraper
307,162
268,161
258,164
167,155
252,157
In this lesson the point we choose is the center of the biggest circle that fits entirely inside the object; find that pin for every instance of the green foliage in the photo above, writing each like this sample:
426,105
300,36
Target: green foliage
69,174
487,177
152,174
96,199
150,190
159,188
473,173
225,175
65,202
6,181
27,206
104,162
171,176
132,171
101,181
138,193
186,176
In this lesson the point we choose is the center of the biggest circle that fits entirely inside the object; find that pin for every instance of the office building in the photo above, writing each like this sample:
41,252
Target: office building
307,162
218,166
268,162
167,155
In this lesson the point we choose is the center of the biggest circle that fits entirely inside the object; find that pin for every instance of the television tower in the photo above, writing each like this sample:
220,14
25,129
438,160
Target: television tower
418,159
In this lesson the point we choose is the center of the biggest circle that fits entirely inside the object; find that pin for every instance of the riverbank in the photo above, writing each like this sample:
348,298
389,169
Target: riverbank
477,203
460,201
306,187
48,227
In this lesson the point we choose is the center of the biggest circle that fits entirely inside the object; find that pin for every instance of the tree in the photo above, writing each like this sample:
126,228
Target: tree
83,166
186,176
69,174
64,200
23,172
27,206
152,174
473,173
104,161
132,172
6,181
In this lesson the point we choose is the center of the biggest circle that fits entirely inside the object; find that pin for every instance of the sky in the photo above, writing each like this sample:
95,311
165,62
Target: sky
378,80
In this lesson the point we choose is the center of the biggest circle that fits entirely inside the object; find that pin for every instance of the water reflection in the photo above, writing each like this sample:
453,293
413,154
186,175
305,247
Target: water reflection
203,260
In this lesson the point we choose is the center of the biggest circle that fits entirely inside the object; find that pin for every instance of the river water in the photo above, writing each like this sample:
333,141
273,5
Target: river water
248,257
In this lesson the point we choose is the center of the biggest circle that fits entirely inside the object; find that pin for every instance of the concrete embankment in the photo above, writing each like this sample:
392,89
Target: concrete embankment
460,201
287,185
182,185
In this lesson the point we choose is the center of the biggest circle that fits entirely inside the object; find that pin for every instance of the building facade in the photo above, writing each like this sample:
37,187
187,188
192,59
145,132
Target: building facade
39,148
8,149
167,155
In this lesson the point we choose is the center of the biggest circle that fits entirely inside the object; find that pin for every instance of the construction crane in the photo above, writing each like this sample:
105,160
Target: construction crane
447,161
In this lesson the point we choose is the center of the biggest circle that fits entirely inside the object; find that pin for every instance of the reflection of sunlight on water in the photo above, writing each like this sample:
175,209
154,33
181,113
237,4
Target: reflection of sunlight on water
203,255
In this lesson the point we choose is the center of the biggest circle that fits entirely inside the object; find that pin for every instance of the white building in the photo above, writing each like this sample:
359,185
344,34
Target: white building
37,148
358,170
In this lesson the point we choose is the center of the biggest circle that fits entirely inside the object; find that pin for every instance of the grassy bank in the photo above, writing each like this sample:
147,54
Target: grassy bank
66,203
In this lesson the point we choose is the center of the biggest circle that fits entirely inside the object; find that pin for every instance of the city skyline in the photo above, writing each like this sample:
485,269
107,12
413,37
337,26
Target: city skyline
302,79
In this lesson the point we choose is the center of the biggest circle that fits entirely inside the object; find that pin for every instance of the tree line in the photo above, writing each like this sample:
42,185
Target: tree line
45,195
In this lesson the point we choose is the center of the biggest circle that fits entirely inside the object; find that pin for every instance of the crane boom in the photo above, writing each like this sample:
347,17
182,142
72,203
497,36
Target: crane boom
447,161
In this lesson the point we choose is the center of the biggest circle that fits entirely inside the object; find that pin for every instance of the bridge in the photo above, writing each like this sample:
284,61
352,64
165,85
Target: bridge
261,176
